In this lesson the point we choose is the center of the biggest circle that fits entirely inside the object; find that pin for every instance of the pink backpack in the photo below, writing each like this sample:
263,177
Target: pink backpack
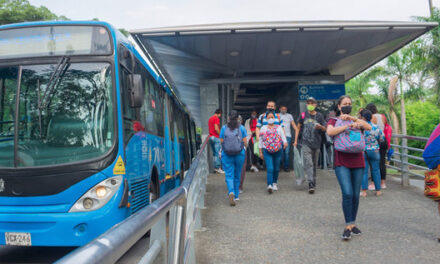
351,140
272,140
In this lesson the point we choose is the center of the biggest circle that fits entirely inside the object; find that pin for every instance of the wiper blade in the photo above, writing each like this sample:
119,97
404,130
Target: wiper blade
59,72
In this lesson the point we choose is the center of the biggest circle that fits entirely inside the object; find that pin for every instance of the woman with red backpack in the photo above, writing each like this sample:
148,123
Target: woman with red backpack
272,141
349,162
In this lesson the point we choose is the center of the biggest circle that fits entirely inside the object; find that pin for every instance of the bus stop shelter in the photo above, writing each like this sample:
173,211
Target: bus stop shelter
242,65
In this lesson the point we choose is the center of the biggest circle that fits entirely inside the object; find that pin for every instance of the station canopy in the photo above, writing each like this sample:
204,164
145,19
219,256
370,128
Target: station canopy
188,56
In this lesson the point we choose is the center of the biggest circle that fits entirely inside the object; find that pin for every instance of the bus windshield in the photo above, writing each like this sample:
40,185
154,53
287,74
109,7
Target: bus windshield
59,115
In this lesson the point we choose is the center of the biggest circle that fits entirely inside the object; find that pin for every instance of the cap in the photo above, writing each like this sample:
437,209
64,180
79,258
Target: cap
311,99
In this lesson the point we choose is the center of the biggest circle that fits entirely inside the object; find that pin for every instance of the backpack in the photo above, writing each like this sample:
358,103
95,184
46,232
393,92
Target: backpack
232,141
272,140
432,184
351,140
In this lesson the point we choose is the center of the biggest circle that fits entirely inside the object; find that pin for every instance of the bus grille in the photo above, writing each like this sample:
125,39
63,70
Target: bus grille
140,195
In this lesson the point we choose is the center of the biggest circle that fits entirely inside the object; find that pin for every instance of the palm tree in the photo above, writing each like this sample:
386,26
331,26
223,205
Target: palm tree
432,48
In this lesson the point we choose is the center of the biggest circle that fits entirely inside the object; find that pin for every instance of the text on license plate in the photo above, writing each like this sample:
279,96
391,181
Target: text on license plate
18,239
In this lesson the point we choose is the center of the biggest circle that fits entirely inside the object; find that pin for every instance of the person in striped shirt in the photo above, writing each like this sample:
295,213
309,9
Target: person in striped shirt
262,119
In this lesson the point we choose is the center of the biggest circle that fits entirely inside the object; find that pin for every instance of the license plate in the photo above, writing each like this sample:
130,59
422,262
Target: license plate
18,239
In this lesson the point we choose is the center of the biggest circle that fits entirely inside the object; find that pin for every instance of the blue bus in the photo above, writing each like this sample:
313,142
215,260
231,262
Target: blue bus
90,133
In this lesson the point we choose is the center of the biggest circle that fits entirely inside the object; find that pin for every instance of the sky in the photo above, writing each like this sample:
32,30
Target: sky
139,14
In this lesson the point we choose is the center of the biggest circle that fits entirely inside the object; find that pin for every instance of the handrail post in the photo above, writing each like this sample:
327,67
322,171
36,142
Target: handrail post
404,162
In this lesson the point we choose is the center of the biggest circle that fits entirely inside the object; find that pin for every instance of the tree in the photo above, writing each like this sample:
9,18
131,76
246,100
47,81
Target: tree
15,11
432,48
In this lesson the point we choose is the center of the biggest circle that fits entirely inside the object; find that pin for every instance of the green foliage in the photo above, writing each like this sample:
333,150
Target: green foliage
422,118
124,32
15,11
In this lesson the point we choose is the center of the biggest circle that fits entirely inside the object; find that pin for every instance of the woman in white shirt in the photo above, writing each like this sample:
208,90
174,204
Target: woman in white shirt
272,141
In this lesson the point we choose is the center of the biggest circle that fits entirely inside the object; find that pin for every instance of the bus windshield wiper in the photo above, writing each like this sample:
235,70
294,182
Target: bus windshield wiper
59,72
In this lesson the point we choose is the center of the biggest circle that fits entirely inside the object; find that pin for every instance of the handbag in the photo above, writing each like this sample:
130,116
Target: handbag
432,184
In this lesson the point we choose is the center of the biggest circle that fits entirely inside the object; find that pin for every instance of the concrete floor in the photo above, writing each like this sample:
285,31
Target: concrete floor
292,226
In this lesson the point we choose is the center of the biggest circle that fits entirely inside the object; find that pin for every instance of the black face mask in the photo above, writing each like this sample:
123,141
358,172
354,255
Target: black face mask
270,111
346,109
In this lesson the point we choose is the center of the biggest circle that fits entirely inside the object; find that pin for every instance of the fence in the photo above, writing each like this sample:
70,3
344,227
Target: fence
183,204
404,165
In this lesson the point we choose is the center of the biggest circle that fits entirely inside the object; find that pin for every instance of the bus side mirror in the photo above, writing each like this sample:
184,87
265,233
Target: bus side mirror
136,91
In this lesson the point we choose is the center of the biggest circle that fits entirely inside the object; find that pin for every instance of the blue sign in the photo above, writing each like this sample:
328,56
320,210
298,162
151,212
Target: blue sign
321,91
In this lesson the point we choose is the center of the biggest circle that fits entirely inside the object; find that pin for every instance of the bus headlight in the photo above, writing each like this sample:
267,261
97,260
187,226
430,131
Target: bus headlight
98,195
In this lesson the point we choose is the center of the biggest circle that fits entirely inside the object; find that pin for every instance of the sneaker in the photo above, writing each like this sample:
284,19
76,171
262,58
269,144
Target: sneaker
311,188
356,231
219,171
237,199
269,188
383,186
286,169
232,199
371,187
240,191
254,169
299,182
275,186
363,194
346,235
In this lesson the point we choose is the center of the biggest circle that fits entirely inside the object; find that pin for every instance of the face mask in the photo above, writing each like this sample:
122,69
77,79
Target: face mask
283,112
271,121
254,116
311,107
346,109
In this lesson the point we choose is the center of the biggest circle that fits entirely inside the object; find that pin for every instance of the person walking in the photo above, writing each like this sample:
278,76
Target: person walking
251,127
214,133
349,161
262,119
233,141
312,126
372,156
380,120
272,141
287,122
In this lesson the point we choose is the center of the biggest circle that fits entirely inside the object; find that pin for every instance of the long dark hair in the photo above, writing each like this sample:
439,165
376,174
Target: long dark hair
233,120
372,107
337,111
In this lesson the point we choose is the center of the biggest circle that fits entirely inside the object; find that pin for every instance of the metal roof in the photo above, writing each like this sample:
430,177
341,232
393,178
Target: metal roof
189,54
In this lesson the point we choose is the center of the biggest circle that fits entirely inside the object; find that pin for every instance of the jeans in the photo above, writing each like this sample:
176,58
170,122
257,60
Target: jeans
350,183
272,165
383,168
286,152
243,170
215,145
232,166
310,157
373,157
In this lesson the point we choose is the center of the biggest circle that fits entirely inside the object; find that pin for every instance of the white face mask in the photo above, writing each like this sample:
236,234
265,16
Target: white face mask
271,121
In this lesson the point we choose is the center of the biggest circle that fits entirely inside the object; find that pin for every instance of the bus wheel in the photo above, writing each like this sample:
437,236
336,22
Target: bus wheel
154,187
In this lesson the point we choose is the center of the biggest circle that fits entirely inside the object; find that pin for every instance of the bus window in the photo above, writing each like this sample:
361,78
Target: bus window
8,86
128,113
171,118
151,112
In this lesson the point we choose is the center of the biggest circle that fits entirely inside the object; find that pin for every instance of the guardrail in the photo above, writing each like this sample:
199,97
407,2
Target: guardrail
403,157
183,204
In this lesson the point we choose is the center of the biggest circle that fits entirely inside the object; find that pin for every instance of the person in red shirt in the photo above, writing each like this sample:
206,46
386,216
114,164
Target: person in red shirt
349,167
214,134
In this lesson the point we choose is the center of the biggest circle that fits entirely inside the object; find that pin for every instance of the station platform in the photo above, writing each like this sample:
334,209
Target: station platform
292,226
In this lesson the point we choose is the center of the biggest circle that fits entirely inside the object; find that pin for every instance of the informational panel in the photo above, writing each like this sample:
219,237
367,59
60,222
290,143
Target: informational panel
321,91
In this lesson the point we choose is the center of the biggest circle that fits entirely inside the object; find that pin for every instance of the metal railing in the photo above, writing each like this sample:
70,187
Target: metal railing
183,204
403,164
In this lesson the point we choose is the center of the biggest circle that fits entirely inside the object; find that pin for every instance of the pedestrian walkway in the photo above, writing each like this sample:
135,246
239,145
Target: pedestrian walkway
292,226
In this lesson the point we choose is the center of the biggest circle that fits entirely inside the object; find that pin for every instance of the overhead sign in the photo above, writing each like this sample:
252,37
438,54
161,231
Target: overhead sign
321,91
